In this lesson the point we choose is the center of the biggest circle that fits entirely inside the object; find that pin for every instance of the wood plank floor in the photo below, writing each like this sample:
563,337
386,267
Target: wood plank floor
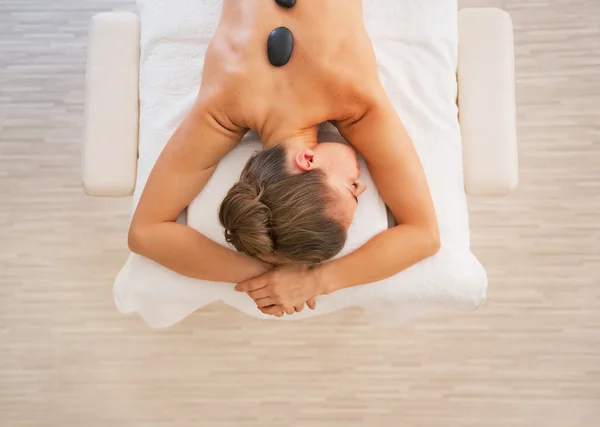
529,357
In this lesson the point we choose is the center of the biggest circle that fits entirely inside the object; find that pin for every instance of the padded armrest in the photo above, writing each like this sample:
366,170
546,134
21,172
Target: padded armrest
486,101
109,160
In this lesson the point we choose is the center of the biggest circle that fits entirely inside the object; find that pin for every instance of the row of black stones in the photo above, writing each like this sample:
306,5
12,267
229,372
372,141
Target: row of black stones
280,43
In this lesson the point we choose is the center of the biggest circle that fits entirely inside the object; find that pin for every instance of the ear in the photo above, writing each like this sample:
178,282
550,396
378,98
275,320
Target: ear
304,159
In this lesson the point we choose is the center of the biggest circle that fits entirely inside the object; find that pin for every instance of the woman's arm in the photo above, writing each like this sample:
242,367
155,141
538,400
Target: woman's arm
180,173
398,174
381,257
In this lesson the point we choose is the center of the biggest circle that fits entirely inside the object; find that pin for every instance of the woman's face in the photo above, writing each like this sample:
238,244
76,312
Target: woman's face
339,162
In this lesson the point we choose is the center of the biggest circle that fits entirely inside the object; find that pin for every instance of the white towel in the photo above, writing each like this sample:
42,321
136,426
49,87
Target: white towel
416,47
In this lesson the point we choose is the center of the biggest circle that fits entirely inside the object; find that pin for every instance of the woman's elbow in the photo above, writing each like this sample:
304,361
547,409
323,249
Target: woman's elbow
136,239
433,241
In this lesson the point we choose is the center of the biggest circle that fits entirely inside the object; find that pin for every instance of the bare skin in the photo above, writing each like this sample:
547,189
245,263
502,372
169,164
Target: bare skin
331,76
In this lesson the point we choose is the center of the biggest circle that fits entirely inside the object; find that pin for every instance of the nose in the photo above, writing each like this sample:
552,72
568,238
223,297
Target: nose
361,187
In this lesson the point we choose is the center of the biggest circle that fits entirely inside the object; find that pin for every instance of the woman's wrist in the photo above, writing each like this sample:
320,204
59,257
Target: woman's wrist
247,268
326,279
261,267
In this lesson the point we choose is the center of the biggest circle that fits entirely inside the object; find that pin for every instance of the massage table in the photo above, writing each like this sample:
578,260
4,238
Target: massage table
485,103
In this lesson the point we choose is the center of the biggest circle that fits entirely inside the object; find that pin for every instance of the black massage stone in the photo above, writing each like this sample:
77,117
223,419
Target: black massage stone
286,3
280,46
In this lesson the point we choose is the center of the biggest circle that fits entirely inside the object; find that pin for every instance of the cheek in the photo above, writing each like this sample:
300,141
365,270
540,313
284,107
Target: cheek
345,161
339,160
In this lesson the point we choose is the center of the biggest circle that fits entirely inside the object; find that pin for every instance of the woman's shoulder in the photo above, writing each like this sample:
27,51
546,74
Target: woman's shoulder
226,88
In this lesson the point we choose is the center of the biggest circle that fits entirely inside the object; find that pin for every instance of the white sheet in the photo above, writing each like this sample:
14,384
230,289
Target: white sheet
416,46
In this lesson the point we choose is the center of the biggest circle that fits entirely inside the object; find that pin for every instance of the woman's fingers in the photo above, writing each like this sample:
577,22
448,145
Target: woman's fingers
264,302
260,293
311,303
272,310
252,284
277,310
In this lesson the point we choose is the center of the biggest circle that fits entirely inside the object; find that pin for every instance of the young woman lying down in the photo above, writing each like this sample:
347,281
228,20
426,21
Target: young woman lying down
289,213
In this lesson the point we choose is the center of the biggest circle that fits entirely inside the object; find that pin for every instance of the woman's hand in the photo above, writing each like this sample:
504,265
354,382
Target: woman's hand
283,289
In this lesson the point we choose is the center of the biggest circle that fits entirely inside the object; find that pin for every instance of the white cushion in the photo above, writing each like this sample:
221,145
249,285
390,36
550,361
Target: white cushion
109,157
486,101
416,46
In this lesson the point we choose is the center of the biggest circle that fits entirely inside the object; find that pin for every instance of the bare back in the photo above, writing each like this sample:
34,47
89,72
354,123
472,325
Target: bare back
331,71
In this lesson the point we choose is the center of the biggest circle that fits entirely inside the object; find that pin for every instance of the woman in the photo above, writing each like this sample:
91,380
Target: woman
296,199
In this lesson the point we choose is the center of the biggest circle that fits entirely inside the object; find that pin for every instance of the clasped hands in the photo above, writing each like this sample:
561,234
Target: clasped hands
283,290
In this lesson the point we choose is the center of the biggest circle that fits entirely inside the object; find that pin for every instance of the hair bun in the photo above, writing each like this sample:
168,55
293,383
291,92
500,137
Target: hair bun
246,220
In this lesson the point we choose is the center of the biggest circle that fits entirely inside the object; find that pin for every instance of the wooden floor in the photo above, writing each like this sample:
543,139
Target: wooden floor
529,357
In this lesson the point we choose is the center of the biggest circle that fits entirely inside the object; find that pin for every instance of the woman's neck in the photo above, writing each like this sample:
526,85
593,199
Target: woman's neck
306,138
